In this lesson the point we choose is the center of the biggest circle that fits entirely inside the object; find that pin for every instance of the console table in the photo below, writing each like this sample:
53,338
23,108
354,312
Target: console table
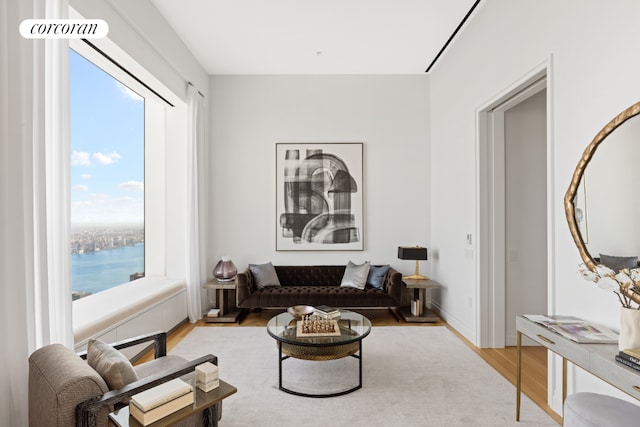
598,359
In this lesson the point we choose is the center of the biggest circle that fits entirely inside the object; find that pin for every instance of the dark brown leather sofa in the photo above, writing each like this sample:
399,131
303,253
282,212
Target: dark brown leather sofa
316,285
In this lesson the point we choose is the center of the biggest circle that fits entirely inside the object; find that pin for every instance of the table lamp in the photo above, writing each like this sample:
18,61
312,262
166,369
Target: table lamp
225,270
413,252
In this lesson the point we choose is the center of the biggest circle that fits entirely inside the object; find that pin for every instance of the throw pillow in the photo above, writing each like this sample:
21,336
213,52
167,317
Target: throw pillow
376,276
110,364
355,276
264,275
617,263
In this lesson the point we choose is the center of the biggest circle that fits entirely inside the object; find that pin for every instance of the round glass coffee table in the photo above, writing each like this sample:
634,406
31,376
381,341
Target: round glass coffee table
353,327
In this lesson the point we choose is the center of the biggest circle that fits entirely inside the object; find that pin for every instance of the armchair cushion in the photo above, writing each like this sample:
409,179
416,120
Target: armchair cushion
113,366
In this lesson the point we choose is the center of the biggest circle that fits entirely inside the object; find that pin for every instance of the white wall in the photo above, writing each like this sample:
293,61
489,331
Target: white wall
250,114
593,76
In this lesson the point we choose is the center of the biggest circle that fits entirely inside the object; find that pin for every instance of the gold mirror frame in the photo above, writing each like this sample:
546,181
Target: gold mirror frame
569,206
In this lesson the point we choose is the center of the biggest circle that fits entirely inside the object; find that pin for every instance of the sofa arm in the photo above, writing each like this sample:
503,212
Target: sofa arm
393,285
244,287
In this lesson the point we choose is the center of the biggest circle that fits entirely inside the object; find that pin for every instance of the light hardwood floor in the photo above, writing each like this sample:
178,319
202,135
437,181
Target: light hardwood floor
534,359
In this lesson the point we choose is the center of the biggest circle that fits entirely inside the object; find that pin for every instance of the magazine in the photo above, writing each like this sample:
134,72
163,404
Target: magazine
576,329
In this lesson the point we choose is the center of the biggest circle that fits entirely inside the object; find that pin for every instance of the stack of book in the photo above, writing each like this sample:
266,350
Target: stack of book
214,312
158,402
630,357
328,312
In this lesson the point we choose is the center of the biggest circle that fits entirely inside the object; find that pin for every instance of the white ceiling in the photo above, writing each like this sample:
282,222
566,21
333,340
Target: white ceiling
314,36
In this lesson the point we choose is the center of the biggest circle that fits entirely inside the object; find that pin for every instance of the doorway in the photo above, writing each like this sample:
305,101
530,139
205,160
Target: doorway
515,209
525,130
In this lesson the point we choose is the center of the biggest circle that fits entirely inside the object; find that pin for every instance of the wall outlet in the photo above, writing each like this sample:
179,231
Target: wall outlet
469,239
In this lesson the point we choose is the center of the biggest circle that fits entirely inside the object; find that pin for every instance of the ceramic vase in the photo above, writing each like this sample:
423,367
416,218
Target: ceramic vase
224,270
629,328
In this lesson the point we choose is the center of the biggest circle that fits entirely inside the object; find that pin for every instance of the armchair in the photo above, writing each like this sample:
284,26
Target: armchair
65,391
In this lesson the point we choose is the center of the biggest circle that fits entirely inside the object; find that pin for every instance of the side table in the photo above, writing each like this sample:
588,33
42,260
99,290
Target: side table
202,402
419,287
229,313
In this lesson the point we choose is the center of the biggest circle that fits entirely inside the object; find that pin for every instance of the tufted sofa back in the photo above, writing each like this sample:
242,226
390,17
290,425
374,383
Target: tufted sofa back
310,275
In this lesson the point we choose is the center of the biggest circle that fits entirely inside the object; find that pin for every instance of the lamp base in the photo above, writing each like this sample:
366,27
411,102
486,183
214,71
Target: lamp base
416,277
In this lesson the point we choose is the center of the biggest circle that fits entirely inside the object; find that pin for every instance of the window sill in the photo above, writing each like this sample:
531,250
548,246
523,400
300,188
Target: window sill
107,309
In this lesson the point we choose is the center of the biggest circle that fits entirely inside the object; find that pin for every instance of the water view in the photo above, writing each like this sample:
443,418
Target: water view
96,271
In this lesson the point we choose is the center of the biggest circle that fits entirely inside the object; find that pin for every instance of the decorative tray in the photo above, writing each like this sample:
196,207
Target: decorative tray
317,328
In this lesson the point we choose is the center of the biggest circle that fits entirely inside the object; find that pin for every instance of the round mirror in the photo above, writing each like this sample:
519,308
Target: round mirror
601,205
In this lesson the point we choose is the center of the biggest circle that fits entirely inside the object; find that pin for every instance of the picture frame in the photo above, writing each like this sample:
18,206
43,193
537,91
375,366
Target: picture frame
319,203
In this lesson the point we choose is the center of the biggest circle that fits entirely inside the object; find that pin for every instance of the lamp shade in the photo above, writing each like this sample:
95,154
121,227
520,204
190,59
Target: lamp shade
412,252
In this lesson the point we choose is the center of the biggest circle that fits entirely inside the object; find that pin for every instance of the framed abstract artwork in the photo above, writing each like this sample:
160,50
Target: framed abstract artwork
319,196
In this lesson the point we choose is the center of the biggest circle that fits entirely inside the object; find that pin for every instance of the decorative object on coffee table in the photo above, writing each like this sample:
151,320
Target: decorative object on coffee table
327,311
225,270
416,253
299,311
317,326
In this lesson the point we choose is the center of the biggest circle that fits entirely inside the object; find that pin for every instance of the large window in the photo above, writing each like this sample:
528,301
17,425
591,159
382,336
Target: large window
107,179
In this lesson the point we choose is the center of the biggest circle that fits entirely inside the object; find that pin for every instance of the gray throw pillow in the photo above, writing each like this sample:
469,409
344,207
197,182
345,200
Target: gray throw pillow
355,276
264,275
376,276
617,263
110,364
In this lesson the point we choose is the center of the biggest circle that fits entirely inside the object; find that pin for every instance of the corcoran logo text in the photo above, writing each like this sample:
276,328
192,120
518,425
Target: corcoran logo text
64,28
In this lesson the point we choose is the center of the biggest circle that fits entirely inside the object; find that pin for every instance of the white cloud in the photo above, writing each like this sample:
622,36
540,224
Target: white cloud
106,159
80,158
132,186
104,209
85,176
128,92
80,187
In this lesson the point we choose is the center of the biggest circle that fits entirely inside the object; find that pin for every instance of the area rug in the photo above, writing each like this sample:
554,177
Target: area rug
412,376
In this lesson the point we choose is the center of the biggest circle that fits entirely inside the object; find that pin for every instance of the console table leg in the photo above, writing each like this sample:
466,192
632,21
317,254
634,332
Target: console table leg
564,382
518,374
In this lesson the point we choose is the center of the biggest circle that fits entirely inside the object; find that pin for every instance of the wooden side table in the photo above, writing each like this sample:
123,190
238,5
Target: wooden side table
229,313
202,402
419,290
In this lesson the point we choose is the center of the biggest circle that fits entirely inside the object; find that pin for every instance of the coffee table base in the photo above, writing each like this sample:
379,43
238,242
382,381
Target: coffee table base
319,354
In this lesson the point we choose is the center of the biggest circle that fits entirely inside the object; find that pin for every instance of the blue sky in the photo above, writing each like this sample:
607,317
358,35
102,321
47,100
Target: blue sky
107,147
